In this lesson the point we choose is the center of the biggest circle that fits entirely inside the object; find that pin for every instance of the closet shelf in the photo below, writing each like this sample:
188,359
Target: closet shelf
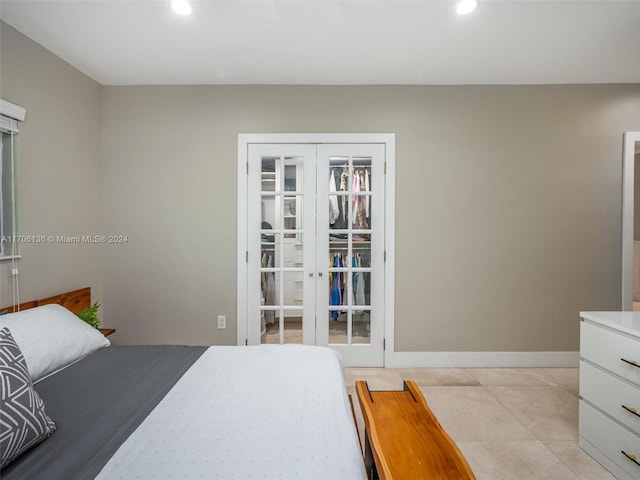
345,242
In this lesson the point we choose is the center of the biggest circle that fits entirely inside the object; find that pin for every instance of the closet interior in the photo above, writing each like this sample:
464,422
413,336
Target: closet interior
347,290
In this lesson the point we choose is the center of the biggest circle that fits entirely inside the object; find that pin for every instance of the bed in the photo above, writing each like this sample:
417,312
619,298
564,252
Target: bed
165,412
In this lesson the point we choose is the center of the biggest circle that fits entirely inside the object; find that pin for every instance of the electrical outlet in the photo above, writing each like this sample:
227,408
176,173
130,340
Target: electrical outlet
222,322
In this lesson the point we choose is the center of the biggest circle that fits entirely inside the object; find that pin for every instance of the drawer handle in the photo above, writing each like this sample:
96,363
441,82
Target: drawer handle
631,457
630,362
633,410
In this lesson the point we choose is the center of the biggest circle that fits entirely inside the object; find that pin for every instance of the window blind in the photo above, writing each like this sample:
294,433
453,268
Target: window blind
10,115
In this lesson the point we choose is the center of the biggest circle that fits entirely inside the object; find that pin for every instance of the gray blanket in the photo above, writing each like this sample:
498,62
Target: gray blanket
96,404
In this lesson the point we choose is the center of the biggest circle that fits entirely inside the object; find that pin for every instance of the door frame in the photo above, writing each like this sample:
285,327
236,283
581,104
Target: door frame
388,140
628,195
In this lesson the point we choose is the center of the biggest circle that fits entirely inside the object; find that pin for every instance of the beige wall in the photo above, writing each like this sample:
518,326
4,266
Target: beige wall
507,205
507,199
59,188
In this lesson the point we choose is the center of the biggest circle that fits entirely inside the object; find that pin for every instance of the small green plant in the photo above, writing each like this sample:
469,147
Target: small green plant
90,315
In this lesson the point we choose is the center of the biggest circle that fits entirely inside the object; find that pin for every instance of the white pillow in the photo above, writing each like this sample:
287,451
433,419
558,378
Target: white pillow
51,337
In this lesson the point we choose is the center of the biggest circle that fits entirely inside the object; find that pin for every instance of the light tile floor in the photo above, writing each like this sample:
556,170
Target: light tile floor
510,423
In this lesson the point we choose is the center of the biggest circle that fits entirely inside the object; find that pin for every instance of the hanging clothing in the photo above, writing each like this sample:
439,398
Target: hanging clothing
355,187
354,278
336,287
344,203
269,288
359,202
359,287
367,188
364,262
362,200
334,210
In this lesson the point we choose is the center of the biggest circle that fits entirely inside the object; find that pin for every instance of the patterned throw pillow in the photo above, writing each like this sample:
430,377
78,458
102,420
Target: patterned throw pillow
23,421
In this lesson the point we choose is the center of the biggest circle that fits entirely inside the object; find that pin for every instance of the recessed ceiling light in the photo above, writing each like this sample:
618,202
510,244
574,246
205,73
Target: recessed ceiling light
466,6
181,7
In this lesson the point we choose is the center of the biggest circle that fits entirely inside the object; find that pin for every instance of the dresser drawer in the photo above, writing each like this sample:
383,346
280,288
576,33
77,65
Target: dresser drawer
607,349
610,439
610,394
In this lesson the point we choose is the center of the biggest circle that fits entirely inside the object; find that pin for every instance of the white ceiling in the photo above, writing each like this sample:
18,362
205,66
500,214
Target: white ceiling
329,42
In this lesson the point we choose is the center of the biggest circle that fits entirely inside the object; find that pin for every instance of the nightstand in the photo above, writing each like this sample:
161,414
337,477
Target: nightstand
107,331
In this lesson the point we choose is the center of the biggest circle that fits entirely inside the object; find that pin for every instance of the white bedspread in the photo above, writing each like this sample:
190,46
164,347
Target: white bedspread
267,412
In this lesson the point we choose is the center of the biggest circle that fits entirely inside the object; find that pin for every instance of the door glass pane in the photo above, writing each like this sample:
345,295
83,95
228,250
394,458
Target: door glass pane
361,193
293,284
268,174
292,215
361,326
338,326
339,186
291,174
358,282
338,243
292,332
361,277
269,302
269,207
267,244
270,326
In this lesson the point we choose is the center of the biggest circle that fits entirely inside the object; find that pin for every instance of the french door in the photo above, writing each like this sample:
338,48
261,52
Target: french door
315,248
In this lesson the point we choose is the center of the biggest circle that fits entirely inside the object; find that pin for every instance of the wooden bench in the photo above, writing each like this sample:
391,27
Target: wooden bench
404,440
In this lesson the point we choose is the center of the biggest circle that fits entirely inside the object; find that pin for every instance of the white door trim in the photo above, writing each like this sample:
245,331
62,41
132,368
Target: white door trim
628,190
388,139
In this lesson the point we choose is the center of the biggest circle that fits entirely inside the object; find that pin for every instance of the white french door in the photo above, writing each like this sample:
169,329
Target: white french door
314,264
281,243
350,251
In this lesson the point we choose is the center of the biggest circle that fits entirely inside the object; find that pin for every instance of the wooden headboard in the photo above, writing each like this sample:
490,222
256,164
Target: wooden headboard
76,301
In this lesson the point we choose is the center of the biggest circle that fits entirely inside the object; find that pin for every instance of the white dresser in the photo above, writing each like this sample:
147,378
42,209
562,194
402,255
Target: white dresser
610,390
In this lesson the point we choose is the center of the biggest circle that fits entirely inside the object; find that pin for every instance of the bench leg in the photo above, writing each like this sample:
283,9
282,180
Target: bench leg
369,463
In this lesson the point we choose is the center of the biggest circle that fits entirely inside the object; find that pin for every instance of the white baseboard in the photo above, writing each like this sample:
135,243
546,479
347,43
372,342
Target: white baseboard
484,359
